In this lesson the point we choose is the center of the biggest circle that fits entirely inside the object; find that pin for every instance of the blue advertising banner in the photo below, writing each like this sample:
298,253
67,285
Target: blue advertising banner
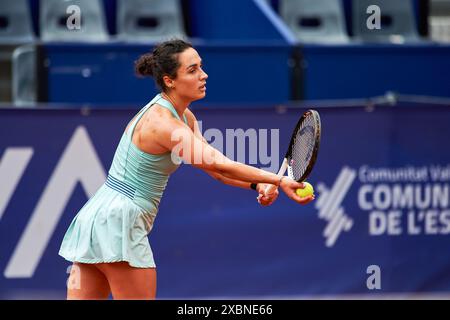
379,226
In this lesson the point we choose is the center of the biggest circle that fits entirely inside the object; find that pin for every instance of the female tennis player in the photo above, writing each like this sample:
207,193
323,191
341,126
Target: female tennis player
107,240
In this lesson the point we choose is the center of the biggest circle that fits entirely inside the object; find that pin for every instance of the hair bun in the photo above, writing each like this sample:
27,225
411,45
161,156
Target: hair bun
144,65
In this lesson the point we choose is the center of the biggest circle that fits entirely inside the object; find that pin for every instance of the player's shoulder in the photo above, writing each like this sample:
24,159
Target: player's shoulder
158,115
161,111
158,119
190,117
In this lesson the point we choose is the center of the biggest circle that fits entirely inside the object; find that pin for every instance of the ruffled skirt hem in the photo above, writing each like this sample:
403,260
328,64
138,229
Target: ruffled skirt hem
109,228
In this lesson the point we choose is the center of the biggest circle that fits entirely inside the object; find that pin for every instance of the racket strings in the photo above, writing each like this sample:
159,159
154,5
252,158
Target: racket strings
302,148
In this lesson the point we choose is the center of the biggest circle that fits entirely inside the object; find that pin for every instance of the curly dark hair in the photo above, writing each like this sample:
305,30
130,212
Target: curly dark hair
162,61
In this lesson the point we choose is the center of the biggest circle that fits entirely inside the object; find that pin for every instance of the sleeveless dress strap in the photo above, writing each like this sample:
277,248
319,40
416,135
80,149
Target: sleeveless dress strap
140,114
167,104
162,102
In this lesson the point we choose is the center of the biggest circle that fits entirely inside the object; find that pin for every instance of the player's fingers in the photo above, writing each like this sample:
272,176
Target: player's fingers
296,185
274,193
263,200
274,197
266,203
299,185
307,199
302,200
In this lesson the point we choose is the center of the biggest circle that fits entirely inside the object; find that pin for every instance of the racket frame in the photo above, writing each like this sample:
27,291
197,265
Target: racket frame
315,151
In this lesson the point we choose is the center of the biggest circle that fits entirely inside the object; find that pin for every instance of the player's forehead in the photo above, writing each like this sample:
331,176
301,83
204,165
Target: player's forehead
189,57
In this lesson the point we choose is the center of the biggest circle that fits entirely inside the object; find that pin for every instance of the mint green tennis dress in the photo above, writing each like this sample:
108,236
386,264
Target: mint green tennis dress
114,224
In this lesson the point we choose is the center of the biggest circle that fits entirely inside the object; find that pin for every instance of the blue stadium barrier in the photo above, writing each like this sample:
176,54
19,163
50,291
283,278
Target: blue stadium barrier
360,71
379,226
104,74
254,74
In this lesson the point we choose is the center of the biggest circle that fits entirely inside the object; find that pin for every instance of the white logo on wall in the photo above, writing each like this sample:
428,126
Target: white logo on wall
329,206
406,200
403,200
71,169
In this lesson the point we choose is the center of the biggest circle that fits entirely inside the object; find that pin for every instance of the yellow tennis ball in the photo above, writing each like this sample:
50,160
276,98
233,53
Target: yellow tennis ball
307,191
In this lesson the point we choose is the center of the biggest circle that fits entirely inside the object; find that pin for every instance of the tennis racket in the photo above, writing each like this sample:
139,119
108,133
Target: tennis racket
303,148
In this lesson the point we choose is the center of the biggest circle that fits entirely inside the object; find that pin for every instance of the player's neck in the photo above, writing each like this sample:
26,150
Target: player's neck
177,102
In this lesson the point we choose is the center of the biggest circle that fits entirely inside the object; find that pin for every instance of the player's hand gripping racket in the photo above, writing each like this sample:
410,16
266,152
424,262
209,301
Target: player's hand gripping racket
302,152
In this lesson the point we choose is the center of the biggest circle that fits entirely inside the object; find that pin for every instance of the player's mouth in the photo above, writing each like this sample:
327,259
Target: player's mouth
203,87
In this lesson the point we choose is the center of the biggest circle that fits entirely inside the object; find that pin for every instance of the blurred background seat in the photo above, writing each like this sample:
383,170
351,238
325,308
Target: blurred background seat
397,21
439,20
318,21
149,20
15,29
24,85
15,22
56,18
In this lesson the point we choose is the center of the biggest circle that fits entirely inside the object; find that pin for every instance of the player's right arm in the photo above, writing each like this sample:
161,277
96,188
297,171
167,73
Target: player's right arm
178,138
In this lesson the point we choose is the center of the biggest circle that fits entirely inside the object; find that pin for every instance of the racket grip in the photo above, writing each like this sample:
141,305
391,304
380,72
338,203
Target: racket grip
280,173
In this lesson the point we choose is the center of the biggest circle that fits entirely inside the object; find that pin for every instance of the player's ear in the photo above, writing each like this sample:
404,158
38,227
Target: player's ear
168,82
